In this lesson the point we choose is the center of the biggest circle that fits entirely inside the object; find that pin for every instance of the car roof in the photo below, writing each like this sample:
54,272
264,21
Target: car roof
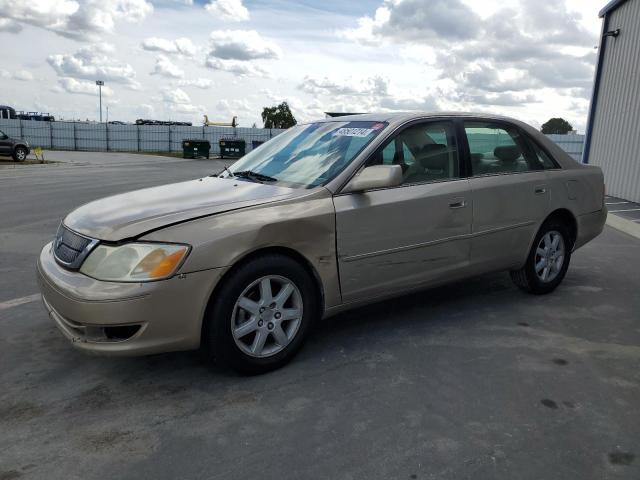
401,117
395,119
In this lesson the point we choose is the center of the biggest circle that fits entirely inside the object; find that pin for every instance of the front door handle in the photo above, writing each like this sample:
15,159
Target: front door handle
540,189
458,203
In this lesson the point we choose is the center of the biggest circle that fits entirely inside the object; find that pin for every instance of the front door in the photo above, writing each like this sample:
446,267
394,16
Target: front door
394,239
510,194
5,144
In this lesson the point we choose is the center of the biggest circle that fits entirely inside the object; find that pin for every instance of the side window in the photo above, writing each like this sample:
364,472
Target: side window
426,152
541,157
387,154
497,149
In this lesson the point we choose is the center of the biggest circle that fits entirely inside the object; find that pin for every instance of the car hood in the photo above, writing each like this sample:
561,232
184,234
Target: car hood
131,214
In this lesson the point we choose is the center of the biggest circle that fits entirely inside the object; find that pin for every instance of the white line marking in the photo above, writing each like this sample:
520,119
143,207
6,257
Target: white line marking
627,210
615,203
20,301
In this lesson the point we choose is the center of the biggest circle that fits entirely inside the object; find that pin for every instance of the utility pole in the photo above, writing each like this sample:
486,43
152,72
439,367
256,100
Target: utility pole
100,83
107,113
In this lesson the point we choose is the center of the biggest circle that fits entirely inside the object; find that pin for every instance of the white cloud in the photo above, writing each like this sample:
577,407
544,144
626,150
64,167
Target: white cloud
234,107
178,101
230,10
350,86
241,45
93,62
180,46
71,85
524,58
177,96
487,57
166,68
242,69
144,110
70,18
22,75
8,25
201,83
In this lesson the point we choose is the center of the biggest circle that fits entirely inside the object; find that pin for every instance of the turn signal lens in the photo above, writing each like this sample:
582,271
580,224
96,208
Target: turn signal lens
134,262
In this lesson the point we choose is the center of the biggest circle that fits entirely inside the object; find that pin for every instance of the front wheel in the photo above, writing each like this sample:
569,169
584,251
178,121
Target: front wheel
261,314
20,154
548,260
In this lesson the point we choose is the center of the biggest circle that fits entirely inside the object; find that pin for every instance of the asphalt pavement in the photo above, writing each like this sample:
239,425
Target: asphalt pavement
473,380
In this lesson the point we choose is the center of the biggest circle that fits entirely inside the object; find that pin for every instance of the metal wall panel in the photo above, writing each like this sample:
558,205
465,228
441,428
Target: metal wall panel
615,144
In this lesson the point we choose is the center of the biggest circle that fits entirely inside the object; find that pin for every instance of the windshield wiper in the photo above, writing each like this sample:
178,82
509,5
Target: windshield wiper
224,169
254,176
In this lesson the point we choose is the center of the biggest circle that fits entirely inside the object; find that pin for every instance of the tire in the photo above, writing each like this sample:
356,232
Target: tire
20,154
241,351
533,280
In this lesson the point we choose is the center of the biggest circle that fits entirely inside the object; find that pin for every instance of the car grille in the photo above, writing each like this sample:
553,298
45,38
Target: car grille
70,249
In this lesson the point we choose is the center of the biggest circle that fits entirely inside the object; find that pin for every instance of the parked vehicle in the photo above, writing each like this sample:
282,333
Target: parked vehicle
322,218
7,112
17,148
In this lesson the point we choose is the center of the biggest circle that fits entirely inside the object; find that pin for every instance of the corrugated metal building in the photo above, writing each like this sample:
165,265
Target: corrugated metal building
613,129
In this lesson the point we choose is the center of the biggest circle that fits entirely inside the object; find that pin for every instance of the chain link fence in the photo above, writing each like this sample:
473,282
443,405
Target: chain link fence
87,136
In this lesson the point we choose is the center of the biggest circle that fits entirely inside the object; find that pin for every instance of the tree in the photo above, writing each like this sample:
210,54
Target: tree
556,125
279,116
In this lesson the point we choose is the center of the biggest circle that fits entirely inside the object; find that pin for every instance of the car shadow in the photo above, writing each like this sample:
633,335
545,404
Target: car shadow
347,338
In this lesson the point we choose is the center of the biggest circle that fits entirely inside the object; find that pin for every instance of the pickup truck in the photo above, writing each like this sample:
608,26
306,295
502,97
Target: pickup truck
17,148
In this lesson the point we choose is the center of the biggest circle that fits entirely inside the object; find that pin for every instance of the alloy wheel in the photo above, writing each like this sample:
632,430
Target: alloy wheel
550,255
267,316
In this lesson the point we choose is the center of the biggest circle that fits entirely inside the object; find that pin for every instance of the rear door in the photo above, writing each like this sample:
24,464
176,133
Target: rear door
394,239
510,194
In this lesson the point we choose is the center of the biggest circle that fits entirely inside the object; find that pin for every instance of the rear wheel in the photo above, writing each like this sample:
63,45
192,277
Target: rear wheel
261,314
20,154
548,259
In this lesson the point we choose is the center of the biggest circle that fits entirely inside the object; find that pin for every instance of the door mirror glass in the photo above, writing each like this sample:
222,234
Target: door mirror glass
377,176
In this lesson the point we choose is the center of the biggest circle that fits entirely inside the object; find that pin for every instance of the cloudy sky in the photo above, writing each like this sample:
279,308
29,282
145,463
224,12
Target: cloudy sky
180,59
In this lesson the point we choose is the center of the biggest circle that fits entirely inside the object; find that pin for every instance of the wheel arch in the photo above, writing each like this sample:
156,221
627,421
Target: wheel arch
20,145
249,256
569,219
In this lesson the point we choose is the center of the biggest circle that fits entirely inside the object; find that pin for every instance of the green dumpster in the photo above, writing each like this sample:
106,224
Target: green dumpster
195,148
232,147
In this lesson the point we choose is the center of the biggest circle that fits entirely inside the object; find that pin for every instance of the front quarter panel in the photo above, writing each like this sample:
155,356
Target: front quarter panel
305,225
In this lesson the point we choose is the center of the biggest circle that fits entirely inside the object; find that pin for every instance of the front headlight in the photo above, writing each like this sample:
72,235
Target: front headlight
134,262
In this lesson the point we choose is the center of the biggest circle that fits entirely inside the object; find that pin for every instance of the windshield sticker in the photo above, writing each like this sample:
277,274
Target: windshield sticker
354,132
377,126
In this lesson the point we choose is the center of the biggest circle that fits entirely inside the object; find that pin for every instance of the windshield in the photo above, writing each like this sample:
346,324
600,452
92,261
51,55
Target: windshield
308,155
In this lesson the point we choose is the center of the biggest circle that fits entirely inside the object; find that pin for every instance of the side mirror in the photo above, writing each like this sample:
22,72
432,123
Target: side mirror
377,176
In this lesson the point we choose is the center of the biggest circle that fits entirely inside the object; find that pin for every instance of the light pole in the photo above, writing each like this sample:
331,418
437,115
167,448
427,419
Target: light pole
100,83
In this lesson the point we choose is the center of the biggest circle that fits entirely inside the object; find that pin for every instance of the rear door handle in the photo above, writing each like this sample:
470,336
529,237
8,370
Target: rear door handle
540,189
457,203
